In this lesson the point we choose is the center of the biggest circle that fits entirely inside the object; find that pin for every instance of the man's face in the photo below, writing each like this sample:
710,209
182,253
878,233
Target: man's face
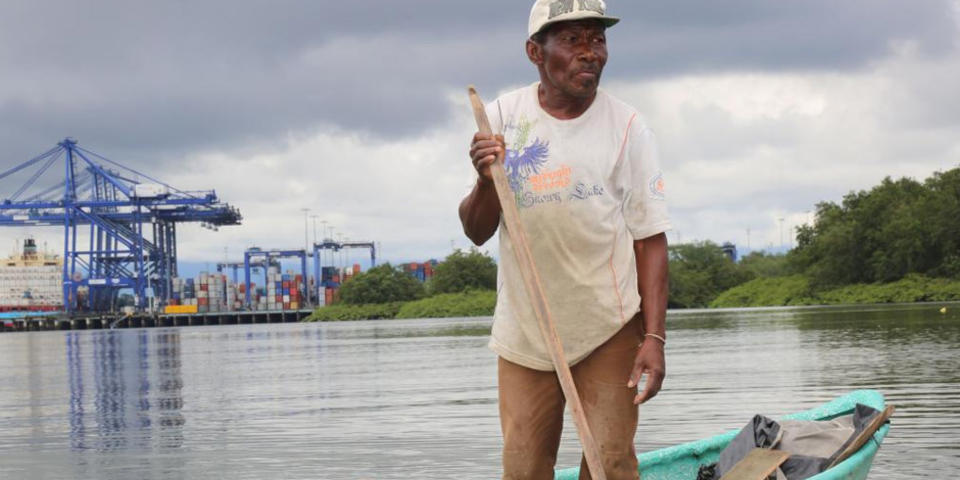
573,56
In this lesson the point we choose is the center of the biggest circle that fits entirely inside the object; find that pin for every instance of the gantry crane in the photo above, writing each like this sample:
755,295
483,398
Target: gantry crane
131,217
329,244
253,255
254,265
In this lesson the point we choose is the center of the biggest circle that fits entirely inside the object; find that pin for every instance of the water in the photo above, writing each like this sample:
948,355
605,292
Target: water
417,398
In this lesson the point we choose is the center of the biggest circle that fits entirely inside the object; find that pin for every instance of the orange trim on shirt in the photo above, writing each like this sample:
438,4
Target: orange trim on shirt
616,283
626,135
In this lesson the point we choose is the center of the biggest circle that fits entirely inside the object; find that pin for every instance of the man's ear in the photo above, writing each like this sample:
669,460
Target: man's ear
535,52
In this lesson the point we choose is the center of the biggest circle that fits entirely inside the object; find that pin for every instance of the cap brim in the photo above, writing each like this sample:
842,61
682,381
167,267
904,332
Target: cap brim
607,21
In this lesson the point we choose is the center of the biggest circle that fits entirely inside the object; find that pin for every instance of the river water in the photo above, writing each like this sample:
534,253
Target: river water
417,398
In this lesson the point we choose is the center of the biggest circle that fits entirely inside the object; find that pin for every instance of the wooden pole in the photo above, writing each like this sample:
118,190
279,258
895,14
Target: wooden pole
865,435
534,287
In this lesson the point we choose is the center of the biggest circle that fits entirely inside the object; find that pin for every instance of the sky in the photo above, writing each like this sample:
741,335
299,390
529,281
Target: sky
357,109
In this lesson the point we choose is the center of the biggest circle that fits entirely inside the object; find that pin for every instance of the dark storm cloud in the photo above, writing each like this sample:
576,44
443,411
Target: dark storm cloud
153,80
817,35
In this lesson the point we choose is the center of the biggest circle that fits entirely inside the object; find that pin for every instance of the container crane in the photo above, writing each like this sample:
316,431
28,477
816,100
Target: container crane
329,244
254,254
254,265
131,220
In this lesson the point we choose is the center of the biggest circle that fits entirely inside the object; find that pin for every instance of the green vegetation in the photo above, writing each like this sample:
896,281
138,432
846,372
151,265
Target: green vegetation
381,284
767,291
344,311
699,272
474,303
881,235
462,271
911,288
897,242
796,290
462,286
762,264
758,279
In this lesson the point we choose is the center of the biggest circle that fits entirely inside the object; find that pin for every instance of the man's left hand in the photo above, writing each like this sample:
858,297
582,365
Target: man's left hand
649,362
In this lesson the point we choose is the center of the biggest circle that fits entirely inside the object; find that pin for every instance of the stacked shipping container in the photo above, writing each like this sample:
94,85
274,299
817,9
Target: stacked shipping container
213,293
207,292
328,291
421,271
283,291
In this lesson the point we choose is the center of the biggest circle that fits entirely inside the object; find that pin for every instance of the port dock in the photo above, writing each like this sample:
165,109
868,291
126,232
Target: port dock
99,321
119,266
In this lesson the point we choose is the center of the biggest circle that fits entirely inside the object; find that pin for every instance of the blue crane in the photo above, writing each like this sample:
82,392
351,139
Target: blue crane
131,221
329,244
270,257
254,265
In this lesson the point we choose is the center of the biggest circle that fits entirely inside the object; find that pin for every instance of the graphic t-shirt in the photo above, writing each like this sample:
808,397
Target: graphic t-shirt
586,188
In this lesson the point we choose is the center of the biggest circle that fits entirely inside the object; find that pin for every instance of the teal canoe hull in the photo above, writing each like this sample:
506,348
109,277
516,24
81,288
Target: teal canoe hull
681,462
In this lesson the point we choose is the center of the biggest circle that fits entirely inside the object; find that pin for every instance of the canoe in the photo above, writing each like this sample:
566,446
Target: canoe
681,462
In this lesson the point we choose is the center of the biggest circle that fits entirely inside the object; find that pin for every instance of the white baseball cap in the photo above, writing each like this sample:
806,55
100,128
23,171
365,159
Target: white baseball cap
546,12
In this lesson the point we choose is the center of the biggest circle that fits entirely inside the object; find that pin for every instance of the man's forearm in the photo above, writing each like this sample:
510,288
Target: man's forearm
652,280
480,212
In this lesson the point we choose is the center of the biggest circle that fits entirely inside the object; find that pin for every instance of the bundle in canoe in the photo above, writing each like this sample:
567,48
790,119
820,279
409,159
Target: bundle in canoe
682,462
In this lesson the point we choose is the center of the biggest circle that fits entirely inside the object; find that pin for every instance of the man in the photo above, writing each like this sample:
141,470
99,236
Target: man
584,170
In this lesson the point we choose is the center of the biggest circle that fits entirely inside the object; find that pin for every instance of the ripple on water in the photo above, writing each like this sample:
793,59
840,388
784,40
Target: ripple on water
417,398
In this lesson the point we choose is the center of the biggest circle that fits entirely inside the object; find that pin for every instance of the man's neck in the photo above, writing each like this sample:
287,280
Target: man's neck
562,106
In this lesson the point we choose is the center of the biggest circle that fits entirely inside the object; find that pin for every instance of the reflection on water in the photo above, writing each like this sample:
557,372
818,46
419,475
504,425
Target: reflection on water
417,398
136,390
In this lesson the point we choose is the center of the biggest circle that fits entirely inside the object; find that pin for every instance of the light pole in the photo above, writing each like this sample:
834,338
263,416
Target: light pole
748,238
306,239
314,218
323,235
781,232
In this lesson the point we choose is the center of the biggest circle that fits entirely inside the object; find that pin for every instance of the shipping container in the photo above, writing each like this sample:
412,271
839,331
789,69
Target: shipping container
180,309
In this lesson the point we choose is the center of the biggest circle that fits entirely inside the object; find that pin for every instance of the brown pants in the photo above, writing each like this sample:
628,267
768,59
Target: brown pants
532,403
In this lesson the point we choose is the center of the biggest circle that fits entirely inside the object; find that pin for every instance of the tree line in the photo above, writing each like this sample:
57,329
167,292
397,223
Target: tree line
896,229
882,234
459,272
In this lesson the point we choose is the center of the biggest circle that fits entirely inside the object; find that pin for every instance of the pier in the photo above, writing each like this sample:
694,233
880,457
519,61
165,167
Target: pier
101,321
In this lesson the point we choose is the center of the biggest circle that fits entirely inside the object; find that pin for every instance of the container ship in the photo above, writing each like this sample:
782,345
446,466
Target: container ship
31,280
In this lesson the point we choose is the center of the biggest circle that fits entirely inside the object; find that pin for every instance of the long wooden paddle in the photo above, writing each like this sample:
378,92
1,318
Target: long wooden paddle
534,287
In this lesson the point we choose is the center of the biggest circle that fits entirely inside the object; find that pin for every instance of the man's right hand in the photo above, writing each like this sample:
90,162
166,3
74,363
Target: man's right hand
484,150
480,210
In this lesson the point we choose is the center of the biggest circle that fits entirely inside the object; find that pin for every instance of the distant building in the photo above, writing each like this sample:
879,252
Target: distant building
730,250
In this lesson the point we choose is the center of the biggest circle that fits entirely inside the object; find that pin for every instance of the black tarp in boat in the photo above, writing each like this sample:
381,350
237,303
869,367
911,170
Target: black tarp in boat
813,445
